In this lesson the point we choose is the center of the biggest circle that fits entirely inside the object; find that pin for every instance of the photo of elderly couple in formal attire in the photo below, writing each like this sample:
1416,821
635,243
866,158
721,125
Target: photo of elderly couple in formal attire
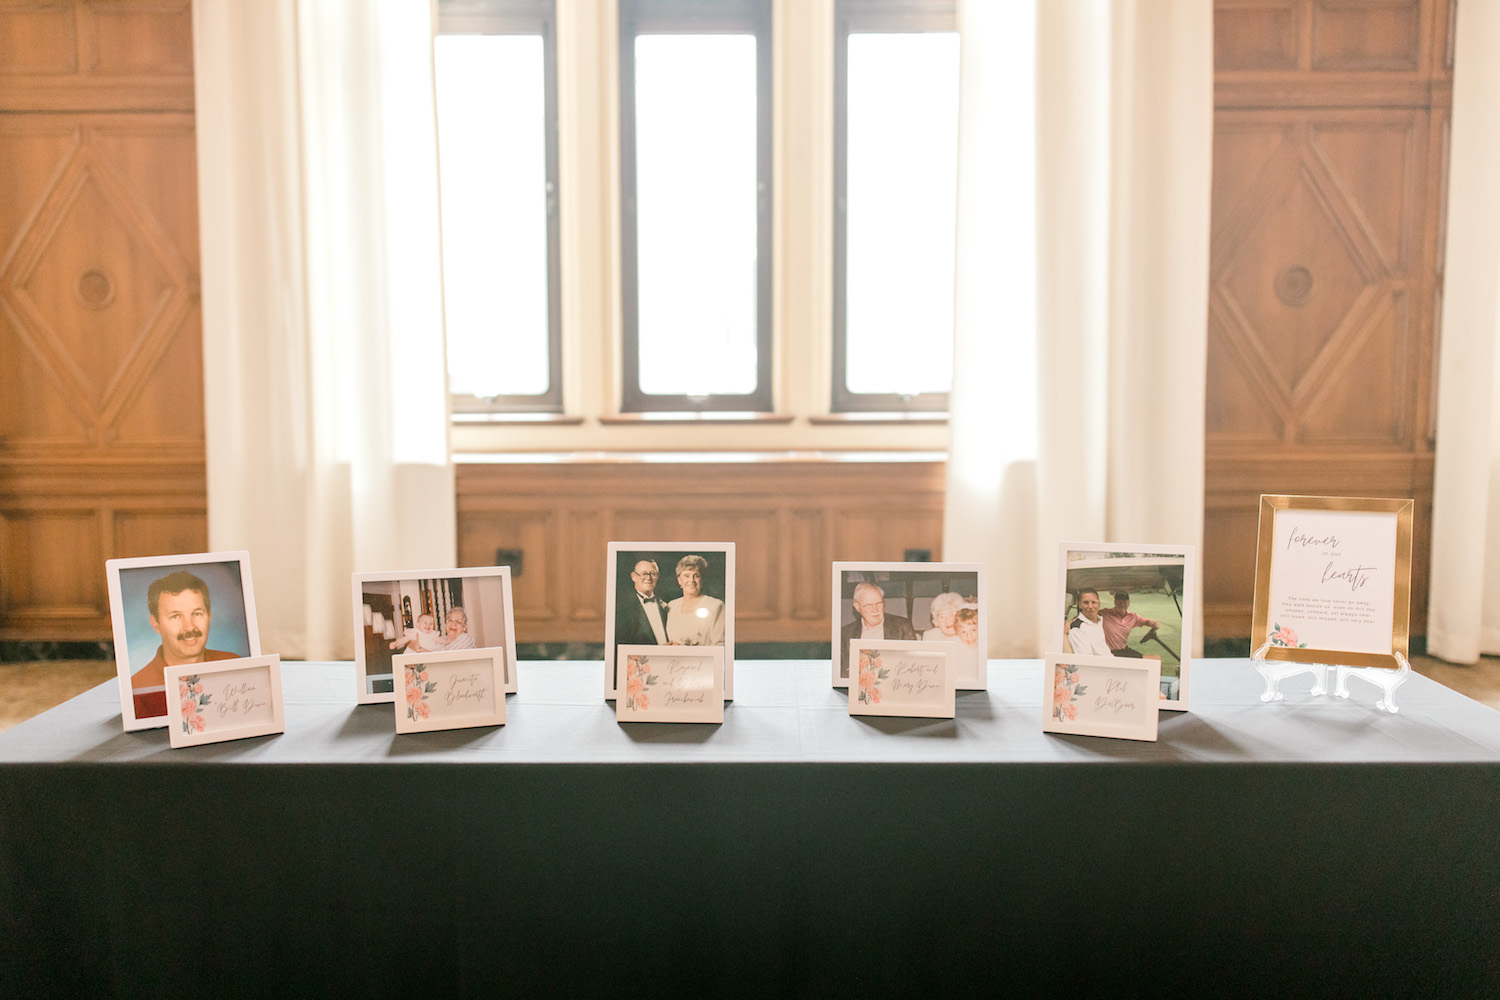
436,614
669,597
897,601
670,600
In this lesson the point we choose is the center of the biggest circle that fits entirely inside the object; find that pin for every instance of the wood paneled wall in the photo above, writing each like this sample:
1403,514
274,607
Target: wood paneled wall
101,373
1331,124
1330,130
788,519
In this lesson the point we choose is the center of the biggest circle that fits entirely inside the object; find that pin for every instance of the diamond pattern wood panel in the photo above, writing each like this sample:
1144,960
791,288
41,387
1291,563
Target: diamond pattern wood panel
1329,135
101,372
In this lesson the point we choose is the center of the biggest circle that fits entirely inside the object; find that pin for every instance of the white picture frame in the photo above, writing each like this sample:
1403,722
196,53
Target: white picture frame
915,589
626,611
1109,696
907,679
225,700
457,689
389,606
1159,583
215,590
670,684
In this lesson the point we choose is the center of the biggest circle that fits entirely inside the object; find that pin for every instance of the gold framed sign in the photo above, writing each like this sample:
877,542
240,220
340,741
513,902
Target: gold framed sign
1333,580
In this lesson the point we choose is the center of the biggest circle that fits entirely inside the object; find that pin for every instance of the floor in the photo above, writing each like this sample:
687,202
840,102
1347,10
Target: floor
28,689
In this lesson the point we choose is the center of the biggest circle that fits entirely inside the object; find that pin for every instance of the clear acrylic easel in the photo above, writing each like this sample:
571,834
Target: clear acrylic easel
1275,671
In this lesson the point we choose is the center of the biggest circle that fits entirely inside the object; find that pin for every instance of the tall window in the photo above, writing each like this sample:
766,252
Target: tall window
495,63
895,197
695,128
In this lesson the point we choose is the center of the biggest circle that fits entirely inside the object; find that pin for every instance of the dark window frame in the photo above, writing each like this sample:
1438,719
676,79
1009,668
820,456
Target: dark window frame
689,17
524,17
853,17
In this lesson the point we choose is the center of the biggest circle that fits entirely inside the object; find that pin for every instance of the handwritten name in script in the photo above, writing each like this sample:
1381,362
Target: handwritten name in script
466,687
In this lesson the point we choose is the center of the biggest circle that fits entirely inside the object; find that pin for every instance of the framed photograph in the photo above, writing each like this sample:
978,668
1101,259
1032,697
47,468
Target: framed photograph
224,700
1132,601
670,594
1333,580
457,689
1106,695
171,611
893,677
670,683
933,602
428,611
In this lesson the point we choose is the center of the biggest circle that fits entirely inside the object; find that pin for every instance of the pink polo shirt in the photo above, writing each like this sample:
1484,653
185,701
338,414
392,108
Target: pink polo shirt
1117,626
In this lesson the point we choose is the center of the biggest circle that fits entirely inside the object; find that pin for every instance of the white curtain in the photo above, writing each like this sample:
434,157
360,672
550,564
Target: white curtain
327,419
1464,612
1082,290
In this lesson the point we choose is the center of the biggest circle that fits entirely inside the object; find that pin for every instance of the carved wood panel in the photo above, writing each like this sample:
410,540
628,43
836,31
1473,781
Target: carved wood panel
1315,259
101,372
788,521
86,55
1329,135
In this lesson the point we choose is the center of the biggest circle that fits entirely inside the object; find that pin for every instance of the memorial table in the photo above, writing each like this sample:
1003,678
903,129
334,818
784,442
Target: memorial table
1314,846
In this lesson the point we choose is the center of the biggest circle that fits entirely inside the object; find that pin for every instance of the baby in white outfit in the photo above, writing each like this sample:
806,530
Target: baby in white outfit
422,639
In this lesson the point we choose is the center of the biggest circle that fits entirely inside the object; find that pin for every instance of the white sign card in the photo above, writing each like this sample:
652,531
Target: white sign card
1101,696
224,700
413,611
891,677
907,602
456,689
669,594
1333,580
670,684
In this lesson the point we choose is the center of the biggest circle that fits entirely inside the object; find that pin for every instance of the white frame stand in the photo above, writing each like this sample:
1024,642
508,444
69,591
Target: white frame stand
1382,677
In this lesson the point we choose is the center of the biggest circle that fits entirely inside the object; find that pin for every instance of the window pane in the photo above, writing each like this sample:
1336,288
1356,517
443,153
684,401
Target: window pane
492,146
902,191
695,125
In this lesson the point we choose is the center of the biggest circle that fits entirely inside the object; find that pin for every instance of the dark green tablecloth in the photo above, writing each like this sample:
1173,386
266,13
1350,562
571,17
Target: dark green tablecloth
1314,846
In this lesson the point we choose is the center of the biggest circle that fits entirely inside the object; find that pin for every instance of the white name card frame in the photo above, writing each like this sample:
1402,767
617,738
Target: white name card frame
1305,526
429,684
880,681
1111,696
224,700
648,680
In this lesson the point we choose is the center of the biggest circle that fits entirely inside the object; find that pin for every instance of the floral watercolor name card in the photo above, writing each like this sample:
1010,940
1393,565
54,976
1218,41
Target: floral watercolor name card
452,689
1111,696
667,684
224,700
1333,579
901,678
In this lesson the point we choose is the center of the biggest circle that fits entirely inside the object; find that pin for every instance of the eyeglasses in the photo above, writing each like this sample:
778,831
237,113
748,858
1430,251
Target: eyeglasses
645,572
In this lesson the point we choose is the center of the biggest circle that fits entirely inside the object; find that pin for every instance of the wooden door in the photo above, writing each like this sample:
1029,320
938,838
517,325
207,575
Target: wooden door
1330,128
101,373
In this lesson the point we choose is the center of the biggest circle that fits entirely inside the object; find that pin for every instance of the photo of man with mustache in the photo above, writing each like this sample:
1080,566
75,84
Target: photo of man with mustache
181,614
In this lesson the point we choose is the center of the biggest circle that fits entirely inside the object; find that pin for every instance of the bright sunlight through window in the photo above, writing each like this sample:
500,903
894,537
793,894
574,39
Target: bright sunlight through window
695,126
491,142
902,191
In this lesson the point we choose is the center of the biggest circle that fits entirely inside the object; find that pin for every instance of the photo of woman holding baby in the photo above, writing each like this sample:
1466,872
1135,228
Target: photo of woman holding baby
435,612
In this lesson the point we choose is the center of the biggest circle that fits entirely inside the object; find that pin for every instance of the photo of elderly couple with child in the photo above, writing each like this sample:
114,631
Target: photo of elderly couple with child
933,606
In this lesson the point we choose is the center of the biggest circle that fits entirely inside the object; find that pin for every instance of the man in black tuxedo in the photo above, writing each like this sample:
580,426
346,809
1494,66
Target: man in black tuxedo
872,622
641,616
